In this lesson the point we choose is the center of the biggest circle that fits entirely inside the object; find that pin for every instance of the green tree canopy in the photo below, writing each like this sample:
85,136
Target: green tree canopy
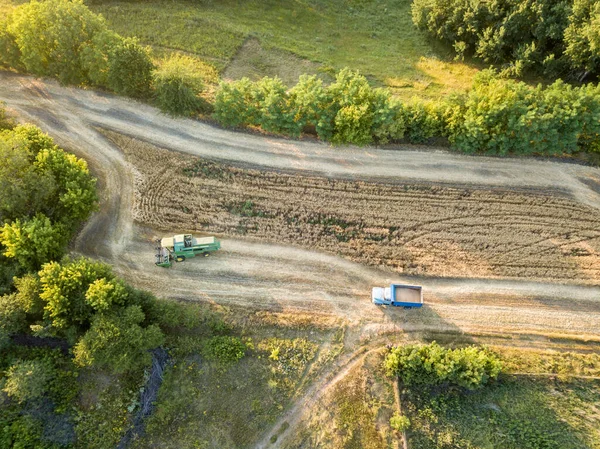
429,365
118,341
51,36
27,380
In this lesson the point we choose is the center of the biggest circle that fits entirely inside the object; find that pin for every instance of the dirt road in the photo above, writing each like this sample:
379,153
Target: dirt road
279,277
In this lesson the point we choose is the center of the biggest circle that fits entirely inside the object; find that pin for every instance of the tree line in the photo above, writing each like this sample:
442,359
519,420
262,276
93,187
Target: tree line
496,116
553,38
65,40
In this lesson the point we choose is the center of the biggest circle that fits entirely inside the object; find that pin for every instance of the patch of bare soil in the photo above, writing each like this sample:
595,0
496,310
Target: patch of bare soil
255,62
410,229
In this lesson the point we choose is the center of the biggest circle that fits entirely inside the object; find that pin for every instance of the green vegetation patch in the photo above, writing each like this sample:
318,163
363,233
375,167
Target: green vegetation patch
376,36
516,413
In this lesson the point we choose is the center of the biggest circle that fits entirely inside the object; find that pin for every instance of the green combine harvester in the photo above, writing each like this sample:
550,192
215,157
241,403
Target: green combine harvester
183,246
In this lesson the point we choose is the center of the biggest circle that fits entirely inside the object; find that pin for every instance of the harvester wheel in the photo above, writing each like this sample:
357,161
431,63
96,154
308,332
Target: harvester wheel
180,258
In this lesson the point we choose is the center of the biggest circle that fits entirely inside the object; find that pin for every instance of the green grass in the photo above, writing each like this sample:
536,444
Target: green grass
516,413
202,403
375,36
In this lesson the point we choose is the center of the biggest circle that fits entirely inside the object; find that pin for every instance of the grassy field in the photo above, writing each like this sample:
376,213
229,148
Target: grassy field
516,413
293,36
205,404
374,36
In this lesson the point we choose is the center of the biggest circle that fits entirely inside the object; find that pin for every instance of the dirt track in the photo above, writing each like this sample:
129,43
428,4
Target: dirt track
280,277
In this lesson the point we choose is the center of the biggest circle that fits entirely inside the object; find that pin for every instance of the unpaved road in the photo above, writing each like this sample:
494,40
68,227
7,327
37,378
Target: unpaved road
283,277
279,277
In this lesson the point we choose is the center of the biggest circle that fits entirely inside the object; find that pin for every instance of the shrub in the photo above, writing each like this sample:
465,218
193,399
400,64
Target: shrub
400,423
224,349
177,86
506,117
234,103
273,109
430,365
27,380
423,120
130,69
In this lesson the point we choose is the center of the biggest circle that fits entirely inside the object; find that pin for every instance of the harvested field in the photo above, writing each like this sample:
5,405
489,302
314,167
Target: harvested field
410,229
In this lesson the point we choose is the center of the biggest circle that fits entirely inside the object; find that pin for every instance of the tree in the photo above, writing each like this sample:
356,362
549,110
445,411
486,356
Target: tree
65,293
118,342
27,380
582,36
51,35
103,294
177,86
130,69
33,242
23,190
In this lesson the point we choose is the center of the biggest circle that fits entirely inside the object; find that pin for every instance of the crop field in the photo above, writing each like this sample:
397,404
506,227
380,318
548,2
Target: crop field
410,229
376,37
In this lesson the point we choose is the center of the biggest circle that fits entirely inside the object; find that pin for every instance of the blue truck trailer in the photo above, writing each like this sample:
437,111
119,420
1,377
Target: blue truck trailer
398,295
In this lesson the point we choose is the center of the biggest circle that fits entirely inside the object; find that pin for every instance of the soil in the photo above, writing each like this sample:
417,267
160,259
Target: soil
490,220
254,61
409,229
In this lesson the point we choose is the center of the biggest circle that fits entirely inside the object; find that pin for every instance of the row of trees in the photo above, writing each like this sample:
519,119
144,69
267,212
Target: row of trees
549,37
496,116
431,365
65,40
45,194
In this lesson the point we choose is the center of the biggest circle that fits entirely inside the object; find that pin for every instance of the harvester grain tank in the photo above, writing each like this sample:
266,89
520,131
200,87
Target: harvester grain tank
183,246
398,295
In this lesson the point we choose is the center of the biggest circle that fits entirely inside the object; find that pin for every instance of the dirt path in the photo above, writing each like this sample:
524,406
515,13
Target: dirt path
68,113
280,277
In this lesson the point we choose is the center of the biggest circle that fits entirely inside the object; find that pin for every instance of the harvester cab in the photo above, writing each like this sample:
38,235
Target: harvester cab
183,246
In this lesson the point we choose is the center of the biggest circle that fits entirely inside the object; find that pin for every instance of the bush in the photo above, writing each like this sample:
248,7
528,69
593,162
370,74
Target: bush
429,365
423,120
234,103
177,86
224,349
348,111
130,69
400,423
506,117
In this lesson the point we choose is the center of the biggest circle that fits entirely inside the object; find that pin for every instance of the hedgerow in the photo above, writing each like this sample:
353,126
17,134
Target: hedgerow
431,365
347,111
